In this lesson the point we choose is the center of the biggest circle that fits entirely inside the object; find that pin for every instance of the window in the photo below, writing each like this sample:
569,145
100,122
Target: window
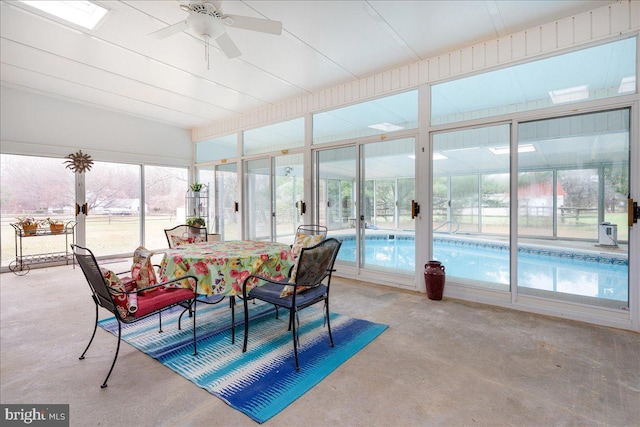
572,77
164,192
225,147
380,116
279,136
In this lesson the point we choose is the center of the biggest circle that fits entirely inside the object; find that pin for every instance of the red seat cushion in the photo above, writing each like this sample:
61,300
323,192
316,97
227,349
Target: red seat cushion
162,298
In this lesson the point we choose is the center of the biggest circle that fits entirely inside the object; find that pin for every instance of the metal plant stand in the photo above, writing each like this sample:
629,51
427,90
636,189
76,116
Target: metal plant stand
21,265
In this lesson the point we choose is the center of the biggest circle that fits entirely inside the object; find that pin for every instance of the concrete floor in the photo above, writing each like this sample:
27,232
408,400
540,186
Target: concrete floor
448,362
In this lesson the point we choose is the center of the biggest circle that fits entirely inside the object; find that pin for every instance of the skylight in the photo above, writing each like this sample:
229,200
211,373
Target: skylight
522,148
570,94
83,13
628,84
386,127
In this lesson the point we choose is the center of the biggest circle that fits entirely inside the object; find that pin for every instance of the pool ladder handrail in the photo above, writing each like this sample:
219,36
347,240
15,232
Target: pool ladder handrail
457,225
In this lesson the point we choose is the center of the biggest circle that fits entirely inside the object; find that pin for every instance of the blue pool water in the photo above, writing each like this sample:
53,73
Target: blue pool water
584,273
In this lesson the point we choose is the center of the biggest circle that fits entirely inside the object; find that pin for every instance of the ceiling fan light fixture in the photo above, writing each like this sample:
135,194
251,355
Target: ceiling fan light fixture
207,20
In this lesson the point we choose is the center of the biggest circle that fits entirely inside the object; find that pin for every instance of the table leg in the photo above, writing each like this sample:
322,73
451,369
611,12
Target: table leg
232,304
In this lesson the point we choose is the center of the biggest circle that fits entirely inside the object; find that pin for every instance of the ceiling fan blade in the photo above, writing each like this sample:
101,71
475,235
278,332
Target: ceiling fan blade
170,30
228,46
255,24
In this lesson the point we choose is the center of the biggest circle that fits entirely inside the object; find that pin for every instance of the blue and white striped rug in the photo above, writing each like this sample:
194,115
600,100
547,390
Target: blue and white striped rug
263,381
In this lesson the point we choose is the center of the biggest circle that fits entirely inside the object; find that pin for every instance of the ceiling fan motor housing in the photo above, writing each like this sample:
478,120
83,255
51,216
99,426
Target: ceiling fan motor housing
205,20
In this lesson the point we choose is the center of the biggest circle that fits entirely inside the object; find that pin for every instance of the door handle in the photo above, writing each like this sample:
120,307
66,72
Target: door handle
302,207
633,212
236,207
84,209
415,209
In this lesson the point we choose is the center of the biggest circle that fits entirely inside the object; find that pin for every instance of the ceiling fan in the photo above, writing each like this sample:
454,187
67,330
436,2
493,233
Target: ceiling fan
207,19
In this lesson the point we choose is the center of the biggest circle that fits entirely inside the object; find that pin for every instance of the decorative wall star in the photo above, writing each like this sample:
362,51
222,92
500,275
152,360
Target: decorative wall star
79,162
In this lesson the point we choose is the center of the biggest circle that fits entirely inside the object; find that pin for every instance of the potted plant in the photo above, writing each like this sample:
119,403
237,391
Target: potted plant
55,225
195,187
196,222
28,224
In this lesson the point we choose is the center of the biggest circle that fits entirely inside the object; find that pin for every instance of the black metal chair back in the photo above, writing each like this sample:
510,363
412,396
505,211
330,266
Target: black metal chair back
314,265
312,229
95,279
103,297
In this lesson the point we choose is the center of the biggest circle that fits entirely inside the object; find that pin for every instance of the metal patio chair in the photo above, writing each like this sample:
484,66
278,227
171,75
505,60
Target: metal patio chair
302,289
153,299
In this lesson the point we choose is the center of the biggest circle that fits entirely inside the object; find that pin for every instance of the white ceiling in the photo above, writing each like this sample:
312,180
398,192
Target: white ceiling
118,66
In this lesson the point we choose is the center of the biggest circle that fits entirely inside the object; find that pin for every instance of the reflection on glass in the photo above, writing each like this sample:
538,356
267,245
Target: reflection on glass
379,116
225,147
278,136
594,73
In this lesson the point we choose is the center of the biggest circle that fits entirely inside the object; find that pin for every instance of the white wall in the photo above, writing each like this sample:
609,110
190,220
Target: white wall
40,125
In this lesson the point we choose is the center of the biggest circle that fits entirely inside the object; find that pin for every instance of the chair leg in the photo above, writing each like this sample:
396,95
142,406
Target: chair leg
160,318
95,327
195,348
295,336
232,304
104,384
181,314
326,313
246,325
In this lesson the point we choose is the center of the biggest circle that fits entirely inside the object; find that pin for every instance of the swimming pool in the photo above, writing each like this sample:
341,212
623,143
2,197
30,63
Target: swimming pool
585,273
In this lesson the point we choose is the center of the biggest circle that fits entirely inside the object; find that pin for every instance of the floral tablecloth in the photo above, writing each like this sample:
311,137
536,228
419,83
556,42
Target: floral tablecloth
221,267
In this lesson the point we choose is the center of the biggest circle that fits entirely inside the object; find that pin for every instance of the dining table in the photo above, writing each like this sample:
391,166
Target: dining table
221,267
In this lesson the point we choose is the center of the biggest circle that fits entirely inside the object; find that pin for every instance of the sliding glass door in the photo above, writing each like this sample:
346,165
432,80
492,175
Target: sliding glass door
274,190
471,205
288,195
387,238
335,185
573,184
364,196
226,202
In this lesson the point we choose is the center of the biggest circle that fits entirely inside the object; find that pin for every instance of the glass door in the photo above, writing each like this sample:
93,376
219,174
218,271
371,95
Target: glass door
274,188
335,186
471,205
573,184
258,207
365,200
225,202
387,238
288,196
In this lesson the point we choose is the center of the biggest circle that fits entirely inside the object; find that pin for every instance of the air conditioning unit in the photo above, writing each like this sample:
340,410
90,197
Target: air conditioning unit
608,234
